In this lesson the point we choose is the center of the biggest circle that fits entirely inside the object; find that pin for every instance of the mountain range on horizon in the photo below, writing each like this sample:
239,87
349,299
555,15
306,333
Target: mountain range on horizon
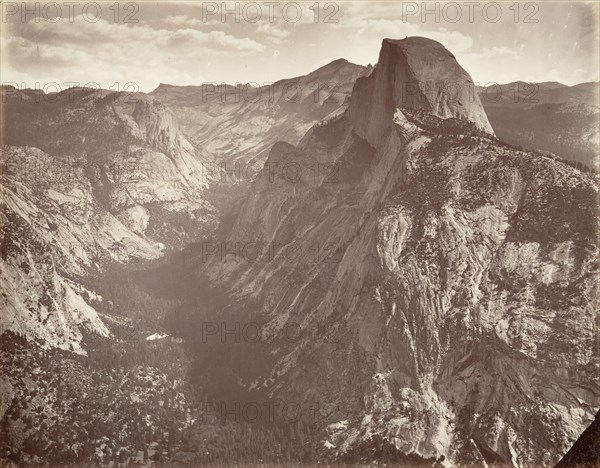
564,115
434,246
547,116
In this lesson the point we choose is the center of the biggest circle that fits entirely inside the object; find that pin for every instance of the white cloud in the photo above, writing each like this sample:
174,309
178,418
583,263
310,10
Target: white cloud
183,20
107,53
83,34
177,44
274,33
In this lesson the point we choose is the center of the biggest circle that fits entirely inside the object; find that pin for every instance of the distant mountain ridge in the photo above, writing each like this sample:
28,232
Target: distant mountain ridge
549,92
242,123
549,116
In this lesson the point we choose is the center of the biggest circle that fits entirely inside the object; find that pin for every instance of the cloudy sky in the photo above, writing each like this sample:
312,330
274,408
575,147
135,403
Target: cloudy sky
147,43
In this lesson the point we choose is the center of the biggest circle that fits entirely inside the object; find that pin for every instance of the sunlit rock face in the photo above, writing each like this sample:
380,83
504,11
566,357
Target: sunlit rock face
451,309
414,73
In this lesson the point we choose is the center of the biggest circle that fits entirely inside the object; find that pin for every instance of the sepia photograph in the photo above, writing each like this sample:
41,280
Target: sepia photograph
299,233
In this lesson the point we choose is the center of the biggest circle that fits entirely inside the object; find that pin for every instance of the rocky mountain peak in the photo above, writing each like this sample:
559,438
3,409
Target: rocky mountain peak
413,73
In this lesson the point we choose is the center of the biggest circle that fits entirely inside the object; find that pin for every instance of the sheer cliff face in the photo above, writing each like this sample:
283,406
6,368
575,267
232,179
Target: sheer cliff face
416,74
443,284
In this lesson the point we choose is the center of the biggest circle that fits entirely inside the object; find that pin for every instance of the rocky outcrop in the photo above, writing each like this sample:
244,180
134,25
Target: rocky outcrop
413,73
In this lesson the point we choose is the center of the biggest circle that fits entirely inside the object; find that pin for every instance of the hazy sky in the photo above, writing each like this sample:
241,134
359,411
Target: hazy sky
260,42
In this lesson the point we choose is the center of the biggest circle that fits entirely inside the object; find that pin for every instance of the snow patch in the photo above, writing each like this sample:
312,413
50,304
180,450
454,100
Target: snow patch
157,336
